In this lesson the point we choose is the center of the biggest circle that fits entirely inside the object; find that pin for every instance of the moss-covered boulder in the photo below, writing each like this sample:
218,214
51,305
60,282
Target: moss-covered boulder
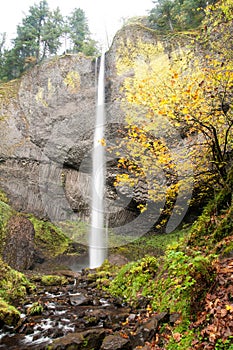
50,240
18,251
53,280
25,240
9,315
14,285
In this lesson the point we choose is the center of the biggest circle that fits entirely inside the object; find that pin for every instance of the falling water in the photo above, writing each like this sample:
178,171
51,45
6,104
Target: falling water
98,239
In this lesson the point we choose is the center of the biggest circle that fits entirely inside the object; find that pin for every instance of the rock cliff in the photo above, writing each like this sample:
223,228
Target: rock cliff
47,122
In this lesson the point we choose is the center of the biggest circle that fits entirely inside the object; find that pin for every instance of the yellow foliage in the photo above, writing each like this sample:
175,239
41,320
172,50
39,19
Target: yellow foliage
163,100
72,81
102,142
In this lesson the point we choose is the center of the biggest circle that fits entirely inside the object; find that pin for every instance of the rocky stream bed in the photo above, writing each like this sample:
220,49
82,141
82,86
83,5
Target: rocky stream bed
81,316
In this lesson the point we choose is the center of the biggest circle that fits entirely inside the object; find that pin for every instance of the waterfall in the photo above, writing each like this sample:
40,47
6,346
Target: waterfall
97,237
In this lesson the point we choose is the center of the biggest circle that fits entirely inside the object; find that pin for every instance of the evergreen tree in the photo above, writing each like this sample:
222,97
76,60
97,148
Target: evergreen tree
38,36
78,33
40,32
2,43
169,15
161,16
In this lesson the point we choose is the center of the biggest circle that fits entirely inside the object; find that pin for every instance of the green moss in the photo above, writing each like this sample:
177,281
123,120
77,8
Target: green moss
76,230
135,279
49,237
178,281
185,342
3,197
53,280
9,315
14,285
215,224
182,282
154,244
35,309
5,213
227,250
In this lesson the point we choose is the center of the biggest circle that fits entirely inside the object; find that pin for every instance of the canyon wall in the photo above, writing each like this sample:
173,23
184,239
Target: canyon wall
47,120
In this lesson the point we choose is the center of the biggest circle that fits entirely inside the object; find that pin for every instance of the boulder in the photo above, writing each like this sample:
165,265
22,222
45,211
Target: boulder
88,340
18,251
116,342
9,315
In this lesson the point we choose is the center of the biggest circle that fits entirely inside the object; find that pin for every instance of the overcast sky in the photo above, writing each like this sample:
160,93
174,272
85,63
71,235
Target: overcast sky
103,15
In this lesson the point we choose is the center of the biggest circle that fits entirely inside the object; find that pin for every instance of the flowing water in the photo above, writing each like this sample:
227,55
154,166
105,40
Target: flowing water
98,239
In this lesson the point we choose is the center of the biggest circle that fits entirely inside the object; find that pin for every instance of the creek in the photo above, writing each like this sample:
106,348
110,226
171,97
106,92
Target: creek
79,315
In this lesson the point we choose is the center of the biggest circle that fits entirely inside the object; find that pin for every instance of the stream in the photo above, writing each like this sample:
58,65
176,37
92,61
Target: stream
80,316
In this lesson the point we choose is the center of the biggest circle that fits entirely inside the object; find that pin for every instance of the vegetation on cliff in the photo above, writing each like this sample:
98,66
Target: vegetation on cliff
192,278
174,15
49,238
42,34
179,116
192,94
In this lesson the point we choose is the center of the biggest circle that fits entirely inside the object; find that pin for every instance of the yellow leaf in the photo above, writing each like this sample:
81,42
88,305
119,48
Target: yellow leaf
229,308
185,110
102,142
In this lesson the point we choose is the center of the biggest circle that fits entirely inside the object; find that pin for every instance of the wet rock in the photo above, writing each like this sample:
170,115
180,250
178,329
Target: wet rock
116,342
149,328
119,316
174,317
69,273
141,303
78,299
117,260
163,317
88,340
18,250
145,347
144,332
131,318
8,315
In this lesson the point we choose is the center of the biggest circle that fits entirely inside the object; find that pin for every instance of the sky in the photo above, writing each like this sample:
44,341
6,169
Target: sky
104,16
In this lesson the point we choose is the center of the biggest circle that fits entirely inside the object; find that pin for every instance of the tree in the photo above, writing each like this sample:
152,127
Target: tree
186,100
161,15
178,14
2,44
40,32
78,33
40,35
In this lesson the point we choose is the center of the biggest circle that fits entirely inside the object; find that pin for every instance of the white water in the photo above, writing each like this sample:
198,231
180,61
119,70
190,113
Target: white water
98,239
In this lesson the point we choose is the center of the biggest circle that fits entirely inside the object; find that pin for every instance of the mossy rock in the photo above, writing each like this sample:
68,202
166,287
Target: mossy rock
53,280
9,315
49,238
5,213
35,309
3,197
14,286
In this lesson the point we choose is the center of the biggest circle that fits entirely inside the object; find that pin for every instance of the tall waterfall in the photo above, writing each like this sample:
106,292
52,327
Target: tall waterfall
97,237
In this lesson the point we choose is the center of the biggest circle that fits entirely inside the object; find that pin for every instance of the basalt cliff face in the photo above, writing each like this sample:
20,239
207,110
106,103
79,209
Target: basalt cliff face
47,122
